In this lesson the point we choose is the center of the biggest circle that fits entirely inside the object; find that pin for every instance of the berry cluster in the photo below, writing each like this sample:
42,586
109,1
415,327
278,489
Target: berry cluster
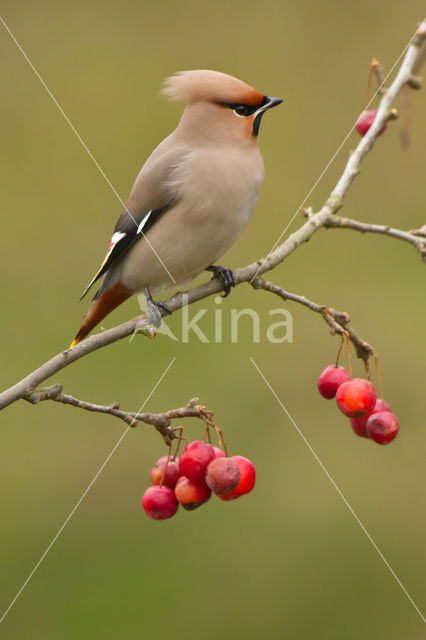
357,399
190,480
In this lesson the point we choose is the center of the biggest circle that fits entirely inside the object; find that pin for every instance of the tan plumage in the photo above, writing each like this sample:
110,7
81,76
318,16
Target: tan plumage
194,195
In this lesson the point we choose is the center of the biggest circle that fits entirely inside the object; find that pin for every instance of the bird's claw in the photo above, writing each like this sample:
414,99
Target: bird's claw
165,307
226,276
145,328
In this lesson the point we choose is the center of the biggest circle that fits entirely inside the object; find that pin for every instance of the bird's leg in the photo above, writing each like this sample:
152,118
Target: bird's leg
148,326
154,308
226,276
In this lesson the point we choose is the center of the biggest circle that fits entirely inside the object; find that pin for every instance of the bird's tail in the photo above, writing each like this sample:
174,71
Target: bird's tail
100,308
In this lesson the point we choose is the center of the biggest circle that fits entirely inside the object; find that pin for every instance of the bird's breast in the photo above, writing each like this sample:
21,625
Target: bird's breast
224,182
214,194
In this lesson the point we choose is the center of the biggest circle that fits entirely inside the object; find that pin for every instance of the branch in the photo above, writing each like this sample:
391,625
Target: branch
419,232
416,238
161,421
322,218
338,321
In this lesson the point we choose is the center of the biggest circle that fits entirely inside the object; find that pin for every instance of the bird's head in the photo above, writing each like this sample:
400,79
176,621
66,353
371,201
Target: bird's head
219,105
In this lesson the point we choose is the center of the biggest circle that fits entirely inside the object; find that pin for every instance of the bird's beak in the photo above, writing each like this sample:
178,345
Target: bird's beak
270,102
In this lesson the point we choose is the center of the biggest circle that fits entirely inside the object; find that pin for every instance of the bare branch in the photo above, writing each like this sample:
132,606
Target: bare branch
323,218
161,421
338,321
416,238
419,232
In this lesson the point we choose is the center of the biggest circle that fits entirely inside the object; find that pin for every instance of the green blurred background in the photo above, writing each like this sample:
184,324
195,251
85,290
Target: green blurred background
290,561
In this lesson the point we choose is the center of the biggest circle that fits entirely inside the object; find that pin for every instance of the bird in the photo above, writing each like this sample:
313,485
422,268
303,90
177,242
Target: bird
192,198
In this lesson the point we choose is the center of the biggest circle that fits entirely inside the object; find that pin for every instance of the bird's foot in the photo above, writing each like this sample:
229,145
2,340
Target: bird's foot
154,309
165,307
226,276
145,328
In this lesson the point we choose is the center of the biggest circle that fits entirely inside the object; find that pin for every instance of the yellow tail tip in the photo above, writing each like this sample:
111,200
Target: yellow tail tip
73,343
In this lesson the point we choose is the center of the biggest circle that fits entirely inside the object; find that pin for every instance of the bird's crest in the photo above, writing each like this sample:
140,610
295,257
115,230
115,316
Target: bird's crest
202,84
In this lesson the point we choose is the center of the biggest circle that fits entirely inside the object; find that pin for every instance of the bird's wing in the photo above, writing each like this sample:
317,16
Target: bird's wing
152,195
128,230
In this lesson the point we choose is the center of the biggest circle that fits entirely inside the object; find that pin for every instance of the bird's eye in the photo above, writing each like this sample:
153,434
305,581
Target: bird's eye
244,110
241,109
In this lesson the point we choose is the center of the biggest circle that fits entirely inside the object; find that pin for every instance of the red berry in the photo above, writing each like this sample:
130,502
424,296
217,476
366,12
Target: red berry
159,502
219,453
356,397
171,475
191,494
247,480
331,379
195,459
359,425
381,405
382,427
223,475
365,121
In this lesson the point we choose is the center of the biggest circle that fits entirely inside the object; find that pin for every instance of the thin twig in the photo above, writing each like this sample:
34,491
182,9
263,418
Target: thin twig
161,421
415,238
338,321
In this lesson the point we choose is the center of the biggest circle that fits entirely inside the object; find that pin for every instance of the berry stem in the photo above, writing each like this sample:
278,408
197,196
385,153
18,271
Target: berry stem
165,466
179,440
222,444
348,353
374,64
367,369
340,350
379,382
206,434
210,423
220,438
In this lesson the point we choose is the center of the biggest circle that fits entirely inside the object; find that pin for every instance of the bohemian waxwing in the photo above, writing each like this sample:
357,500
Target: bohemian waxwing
191,199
